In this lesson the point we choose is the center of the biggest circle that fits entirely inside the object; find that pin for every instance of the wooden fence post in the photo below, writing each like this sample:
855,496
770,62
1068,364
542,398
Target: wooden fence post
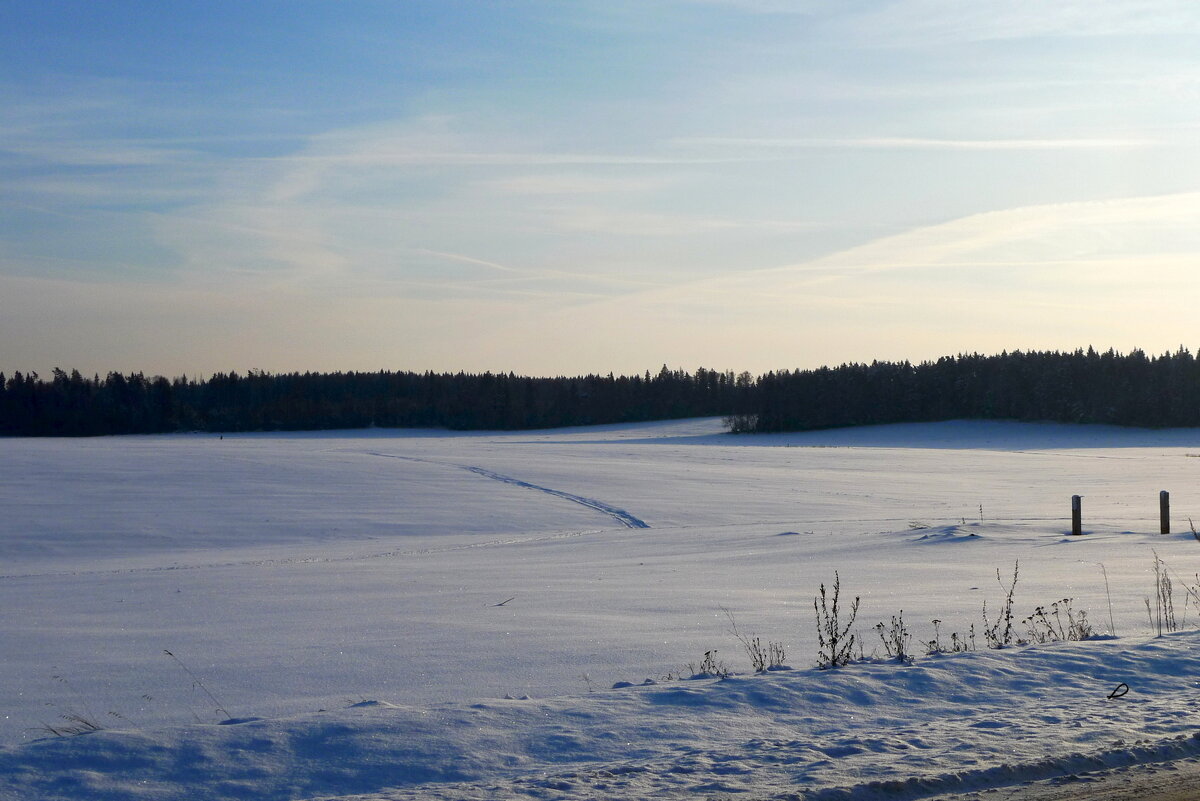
1076,515
1164,511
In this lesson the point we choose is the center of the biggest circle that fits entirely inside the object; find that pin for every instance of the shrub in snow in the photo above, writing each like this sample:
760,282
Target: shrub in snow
762,657
958,643
896,638
1000,633
1049,625
1163,617
710,666
835,643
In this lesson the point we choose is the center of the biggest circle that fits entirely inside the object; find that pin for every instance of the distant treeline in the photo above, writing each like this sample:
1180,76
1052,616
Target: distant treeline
71,405
1080,387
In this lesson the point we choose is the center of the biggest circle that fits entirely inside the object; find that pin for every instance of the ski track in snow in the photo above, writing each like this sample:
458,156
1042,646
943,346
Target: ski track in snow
620,515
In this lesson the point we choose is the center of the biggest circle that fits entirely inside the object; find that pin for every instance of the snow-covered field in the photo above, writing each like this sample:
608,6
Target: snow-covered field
436,615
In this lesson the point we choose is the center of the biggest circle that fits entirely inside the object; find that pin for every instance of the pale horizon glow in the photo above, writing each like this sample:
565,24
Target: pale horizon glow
558,189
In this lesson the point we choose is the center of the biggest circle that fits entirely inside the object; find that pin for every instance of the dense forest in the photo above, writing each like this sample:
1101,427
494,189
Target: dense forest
72,405
1079,387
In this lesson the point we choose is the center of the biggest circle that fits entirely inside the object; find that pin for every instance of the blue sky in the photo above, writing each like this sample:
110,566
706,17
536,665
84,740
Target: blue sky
553,187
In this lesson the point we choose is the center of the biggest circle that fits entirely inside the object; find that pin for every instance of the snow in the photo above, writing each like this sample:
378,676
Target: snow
440,615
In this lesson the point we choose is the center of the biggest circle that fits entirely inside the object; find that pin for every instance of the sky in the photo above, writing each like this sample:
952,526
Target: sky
592,186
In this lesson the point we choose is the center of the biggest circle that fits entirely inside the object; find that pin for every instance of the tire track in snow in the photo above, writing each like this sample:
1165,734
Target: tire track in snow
620,515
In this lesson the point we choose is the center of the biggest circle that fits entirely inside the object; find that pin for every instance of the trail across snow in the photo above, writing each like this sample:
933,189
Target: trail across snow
620,515
399,628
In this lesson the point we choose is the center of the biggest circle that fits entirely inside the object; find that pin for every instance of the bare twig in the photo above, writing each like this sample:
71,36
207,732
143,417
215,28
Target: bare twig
197,683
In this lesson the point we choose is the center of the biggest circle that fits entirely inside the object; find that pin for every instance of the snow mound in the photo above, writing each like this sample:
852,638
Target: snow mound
945,534
943,724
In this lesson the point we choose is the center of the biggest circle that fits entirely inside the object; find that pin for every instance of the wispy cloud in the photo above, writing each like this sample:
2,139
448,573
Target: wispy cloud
561,277
105,190
573,184
1056,275
917,143
447,158
470,260
939,22
788,7
1062,234
99,155
653,224
468,199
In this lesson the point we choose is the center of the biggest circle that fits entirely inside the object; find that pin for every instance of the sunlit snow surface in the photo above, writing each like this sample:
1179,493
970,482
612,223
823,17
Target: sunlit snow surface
435,615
